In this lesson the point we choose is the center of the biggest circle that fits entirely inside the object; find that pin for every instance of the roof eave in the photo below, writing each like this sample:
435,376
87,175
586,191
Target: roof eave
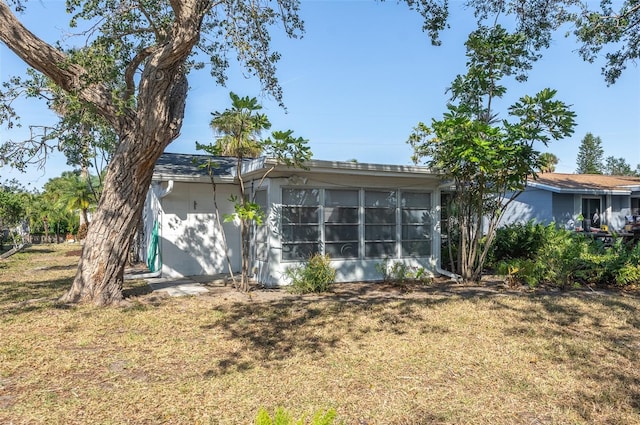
334,167
577,191
191,178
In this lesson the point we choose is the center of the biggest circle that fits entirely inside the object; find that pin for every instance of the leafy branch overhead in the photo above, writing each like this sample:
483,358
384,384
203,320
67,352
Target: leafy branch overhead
610,31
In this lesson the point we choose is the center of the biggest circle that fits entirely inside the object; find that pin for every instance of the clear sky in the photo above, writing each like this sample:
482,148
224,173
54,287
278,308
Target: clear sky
361,78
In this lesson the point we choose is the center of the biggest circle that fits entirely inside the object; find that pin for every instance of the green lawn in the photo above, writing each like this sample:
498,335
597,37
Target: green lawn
407,355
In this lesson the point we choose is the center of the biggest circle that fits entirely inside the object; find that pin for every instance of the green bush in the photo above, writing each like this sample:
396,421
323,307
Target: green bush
399,272
316,275
627,271
520,241
282,417
562,258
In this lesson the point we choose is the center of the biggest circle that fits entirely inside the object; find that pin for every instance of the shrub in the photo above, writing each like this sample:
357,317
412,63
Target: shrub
399,272
316,275
282,417
520,240
628,274
562,258
628,270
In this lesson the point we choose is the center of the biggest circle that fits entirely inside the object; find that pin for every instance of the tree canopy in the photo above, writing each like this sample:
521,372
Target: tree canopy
132,72
488,160
590,155
610,31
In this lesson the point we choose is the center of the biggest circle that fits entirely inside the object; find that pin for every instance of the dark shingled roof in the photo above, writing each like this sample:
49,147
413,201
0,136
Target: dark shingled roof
189,164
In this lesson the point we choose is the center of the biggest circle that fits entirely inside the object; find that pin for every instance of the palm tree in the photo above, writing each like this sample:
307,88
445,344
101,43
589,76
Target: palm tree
238,131
549,162
72,192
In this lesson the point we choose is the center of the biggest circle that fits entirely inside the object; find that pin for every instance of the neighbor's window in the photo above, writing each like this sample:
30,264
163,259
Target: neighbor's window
300,223
380,223
341,223
416,223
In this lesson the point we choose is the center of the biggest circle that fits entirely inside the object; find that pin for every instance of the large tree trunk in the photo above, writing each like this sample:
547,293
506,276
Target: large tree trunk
101,269
104,255
144,134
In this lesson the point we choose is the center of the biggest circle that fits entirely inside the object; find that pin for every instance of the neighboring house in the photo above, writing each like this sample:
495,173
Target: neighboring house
561,198
359,214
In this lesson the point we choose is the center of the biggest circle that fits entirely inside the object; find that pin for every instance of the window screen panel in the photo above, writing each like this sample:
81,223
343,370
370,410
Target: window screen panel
380,230
416,224
300,223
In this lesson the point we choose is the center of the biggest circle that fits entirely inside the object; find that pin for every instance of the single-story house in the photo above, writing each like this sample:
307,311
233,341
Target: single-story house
359,214
563,198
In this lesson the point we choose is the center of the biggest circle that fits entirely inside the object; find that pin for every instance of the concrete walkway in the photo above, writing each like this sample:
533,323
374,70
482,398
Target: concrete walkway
177,287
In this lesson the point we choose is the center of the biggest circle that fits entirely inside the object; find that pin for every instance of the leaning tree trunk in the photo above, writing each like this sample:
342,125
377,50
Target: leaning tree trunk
104,255
101,268
144,133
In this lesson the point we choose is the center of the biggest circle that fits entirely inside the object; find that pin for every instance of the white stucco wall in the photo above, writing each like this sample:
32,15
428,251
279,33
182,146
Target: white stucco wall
190,238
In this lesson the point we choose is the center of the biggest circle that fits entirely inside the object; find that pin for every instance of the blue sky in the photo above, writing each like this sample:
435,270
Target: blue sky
362,77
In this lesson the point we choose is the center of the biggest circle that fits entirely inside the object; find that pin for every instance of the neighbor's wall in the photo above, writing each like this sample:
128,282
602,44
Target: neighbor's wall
564,213
532,204
620,207
190,239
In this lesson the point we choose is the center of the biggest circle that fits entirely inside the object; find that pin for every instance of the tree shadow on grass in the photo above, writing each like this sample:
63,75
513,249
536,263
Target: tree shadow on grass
581,337
16,292
572,330
311,326
276,329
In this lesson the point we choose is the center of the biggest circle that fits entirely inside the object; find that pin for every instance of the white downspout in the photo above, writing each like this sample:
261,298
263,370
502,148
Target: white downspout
166,191
447,273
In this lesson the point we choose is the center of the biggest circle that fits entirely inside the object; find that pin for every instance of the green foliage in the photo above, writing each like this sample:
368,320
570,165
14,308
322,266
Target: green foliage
548,162
487,160
590,155
612,29
282,417
12,207
562,258
238,130
520,240
315,275
399,272
292,151
618,167
246,211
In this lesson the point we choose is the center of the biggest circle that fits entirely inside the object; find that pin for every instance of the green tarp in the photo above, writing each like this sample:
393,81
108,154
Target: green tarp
152,252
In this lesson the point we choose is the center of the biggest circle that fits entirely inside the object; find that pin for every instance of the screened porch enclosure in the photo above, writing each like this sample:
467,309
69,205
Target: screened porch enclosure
355,223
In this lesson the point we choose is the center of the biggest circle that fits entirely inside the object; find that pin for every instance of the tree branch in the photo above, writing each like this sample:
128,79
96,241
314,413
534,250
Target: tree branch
131,70
54,64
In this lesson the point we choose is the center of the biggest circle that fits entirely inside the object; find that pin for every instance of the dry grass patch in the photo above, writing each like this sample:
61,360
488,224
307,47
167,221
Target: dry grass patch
433,355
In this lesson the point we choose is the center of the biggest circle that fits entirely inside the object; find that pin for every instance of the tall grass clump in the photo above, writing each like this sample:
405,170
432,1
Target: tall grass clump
315,275
282,417
534,254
